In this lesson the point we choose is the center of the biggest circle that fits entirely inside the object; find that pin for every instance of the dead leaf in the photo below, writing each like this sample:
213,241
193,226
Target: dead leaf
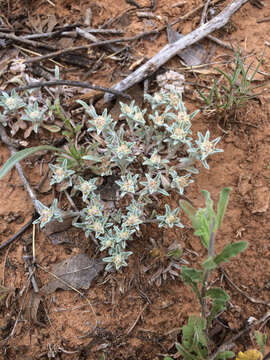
261,199
57,231
78,272
193,55
205,71
33,306
17,125
36,23
28,131
52,21
6,58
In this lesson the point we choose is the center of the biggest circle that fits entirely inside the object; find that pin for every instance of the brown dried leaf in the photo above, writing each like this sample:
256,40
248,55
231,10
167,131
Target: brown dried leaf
261,199
33,306
16,126
193,55
52,21
28,131
78,272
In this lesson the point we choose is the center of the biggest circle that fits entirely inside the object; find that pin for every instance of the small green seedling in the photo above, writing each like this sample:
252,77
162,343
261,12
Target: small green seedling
237,90
196,344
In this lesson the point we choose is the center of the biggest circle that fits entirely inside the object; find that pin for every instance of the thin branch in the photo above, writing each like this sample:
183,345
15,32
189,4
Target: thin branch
250,298
237,336
221,43
105,31
85,47
63,32
137,319
192,12
204,12
70,83
85,34
21,40
173,49
263,20
16,143
19,233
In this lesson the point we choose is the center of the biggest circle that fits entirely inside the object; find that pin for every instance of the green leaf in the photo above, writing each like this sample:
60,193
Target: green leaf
22,154
218,294
219,298
209,264
73,151
229,251
188,209
194,336
201,224
224,355
67,134
208,200
257,67
222,206
185,352
77,128
51,128
203,96
261,340
92,158
227,76
190,275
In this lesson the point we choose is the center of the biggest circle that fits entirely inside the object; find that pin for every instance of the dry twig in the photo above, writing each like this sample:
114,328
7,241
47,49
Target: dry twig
85,47
204,12
250,298
171,50
228,343
85,85
18,233
25,41
137,319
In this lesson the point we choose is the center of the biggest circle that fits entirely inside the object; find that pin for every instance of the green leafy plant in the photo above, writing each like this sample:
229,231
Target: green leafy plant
235,91
196,344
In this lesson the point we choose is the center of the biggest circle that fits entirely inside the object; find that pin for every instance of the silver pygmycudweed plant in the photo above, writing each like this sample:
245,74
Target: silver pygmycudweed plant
143,148
139,152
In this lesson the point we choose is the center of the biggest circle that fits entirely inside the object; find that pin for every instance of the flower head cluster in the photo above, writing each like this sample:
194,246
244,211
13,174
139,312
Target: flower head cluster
98,123
86,187
156,100
12,102
128,184
170,218
206,147
252,354
180,182
61,173
47,214
156,162
34,114
152,185
94,209
117,257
